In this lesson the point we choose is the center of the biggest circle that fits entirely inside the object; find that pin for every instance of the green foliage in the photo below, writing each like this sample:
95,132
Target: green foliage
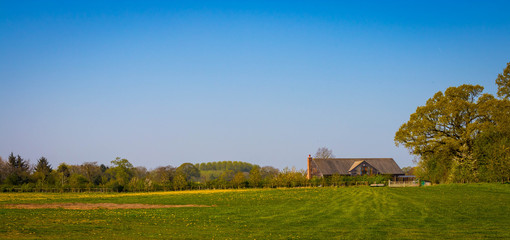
43,166
492,150
503,82
180,182
445,123
4,171
255,177
408,170
225,178
78,181
461,135
42,172
123,177
122,163
137,185
92,173
64,173
209,175
161,178
239,180
189,171
121,173
226,165
18,170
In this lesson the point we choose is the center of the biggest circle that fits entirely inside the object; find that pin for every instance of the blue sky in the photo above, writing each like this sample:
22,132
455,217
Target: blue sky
267,82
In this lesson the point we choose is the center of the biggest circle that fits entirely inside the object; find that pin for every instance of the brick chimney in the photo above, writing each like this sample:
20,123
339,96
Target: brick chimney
308,172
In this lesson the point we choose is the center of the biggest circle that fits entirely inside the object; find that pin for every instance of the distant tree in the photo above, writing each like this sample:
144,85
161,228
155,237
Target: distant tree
92,172
122,172
42,171
202,166
221,165
162,175
408,170
324,153
255,177
122,163
43,166
238,180
63,170
235,166
290,178
4,170
140,172
503,82
225,179
268,175
103,168
19,170
296,178
268,172
189,171
180,182
78,181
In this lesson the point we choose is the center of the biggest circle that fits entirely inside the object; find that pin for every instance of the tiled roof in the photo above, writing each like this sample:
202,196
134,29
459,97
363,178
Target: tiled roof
344,165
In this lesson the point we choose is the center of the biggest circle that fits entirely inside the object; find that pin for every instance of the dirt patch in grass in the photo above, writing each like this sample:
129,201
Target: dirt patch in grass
88,206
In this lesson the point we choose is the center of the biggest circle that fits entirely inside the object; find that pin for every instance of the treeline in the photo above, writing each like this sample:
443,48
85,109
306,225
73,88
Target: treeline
17,174
226,165
462,135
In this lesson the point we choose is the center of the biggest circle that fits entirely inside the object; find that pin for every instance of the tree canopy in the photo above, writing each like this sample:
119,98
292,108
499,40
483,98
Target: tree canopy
43,165
188,170
453,131
19,170
503,82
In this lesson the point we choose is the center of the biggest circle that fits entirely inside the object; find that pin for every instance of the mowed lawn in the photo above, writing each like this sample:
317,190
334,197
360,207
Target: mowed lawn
471,211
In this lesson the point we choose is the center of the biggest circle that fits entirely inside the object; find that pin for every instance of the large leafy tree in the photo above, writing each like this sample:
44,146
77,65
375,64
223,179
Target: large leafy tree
447,121
492,147
462,134
443,131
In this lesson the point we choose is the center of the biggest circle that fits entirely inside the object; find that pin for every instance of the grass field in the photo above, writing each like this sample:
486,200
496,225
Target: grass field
437,212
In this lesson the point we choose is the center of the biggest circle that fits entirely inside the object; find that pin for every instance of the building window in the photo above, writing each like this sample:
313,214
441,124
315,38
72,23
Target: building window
364,170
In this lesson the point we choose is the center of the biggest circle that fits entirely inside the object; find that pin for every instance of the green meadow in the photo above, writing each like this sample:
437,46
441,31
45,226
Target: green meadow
470,211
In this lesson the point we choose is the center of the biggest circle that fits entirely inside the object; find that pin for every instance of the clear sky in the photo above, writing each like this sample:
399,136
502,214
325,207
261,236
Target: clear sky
266,82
